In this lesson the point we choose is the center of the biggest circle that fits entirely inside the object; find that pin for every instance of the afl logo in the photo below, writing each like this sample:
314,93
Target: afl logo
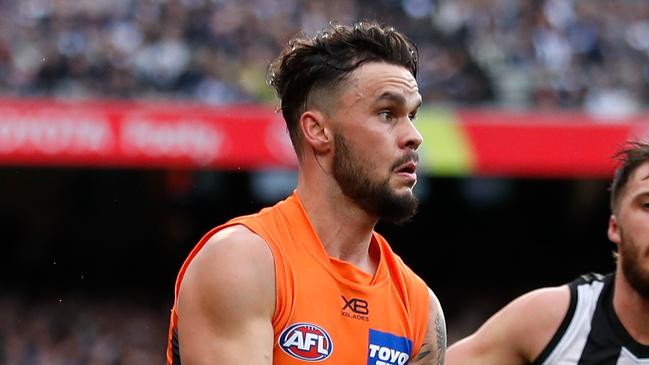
306,341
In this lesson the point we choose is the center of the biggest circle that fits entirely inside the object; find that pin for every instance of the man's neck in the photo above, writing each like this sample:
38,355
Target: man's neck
632,309
344,229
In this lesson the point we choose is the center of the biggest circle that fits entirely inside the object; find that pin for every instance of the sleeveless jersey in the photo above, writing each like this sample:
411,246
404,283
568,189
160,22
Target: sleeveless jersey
327,310
591,333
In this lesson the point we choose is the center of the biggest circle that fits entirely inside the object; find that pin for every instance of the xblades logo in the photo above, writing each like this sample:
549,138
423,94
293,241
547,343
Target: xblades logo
359,308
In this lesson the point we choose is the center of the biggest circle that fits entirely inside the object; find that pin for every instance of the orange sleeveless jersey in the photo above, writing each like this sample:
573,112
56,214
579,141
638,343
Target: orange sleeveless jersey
328,310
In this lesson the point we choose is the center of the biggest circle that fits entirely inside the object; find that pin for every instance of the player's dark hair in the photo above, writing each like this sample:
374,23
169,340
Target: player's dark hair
630,157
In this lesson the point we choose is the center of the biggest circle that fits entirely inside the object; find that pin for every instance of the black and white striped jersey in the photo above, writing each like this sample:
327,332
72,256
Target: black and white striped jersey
591,332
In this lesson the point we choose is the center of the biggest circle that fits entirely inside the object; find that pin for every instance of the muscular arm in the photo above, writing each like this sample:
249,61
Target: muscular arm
516,334
226,302
433,349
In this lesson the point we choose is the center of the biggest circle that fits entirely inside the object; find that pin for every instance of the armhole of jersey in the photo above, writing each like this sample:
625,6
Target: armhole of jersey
421,333
282,285
417,295
281,276
562,328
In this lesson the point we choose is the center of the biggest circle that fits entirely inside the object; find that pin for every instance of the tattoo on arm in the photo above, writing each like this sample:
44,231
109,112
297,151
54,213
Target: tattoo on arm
426,352
440,328
433,350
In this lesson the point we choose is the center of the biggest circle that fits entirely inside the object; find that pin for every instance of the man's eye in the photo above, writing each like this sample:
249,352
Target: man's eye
412,116
386,115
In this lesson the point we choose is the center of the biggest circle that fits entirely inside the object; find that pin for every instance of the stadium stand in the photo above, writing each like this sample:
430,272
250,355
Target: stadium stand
544,55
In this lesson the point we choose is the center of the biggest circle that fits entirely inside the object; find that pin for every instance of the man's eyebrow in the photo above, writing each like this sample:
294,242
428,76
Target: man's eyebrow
391,96
396,98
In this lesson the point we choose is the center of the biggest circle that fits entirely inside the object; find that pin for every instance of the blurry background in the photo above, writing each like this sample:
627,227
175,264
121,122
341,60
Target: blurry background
109,110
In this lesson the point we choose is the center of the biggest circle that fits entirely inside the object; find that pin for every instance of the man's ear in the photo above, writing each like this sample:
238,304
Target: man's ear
614,230
315,129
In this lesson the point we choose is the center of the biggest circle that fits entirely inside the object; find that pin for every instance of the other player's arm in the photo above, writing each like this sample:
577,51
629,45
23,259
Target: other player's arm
433,349
227,300
517,333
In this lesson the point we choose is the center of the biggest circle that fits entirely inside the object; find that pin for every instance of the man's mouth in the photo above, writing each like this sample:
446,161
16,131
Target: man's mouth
407,168
408,171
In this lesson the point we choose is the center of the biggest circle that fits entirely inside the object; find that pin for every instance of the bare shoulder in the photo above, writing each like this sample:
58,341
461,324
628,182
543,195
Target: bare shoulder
540,311
433,349
518,332
236,243
551,301
233,260
227,300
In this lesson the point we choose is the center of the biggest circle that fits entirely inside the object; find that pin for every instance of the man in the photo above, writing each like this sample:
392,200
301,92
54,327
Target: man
308,280
593,320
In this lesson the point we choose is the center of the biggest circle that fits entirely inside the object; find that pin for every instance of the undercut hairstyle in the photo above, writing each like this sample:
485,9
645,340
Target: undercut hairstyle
311,65
630,158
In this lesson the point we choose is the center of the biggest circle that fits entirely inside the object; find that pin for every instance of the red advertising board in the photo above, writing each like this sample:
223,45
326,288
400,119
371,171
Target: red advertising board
183,135
144,135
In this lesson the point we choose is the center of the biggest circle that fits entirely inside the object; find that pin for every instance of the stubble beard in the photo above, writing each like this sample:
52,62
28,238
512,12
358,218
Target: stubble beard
377,198
635,274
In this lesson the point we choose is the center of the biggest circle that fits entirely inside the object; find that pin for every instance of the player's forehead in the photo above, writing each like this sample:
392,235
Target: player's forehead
639,179
378,81
378,73
641,173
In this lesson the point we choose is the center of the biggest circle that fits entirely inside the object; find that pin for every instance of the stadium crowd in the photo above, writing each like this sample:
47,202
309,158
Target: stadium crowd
511,53
542,53
76,330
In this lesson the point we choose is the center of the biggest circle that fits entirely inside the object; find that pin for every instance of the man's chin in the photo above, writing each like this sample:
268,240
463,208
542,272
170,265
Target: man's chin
403,192
401,207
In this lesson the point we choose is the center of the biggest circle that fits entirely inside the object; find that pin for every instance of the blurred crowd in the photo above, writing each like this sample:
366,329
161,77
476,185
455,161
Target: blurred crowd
591,54
80,331
517,53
